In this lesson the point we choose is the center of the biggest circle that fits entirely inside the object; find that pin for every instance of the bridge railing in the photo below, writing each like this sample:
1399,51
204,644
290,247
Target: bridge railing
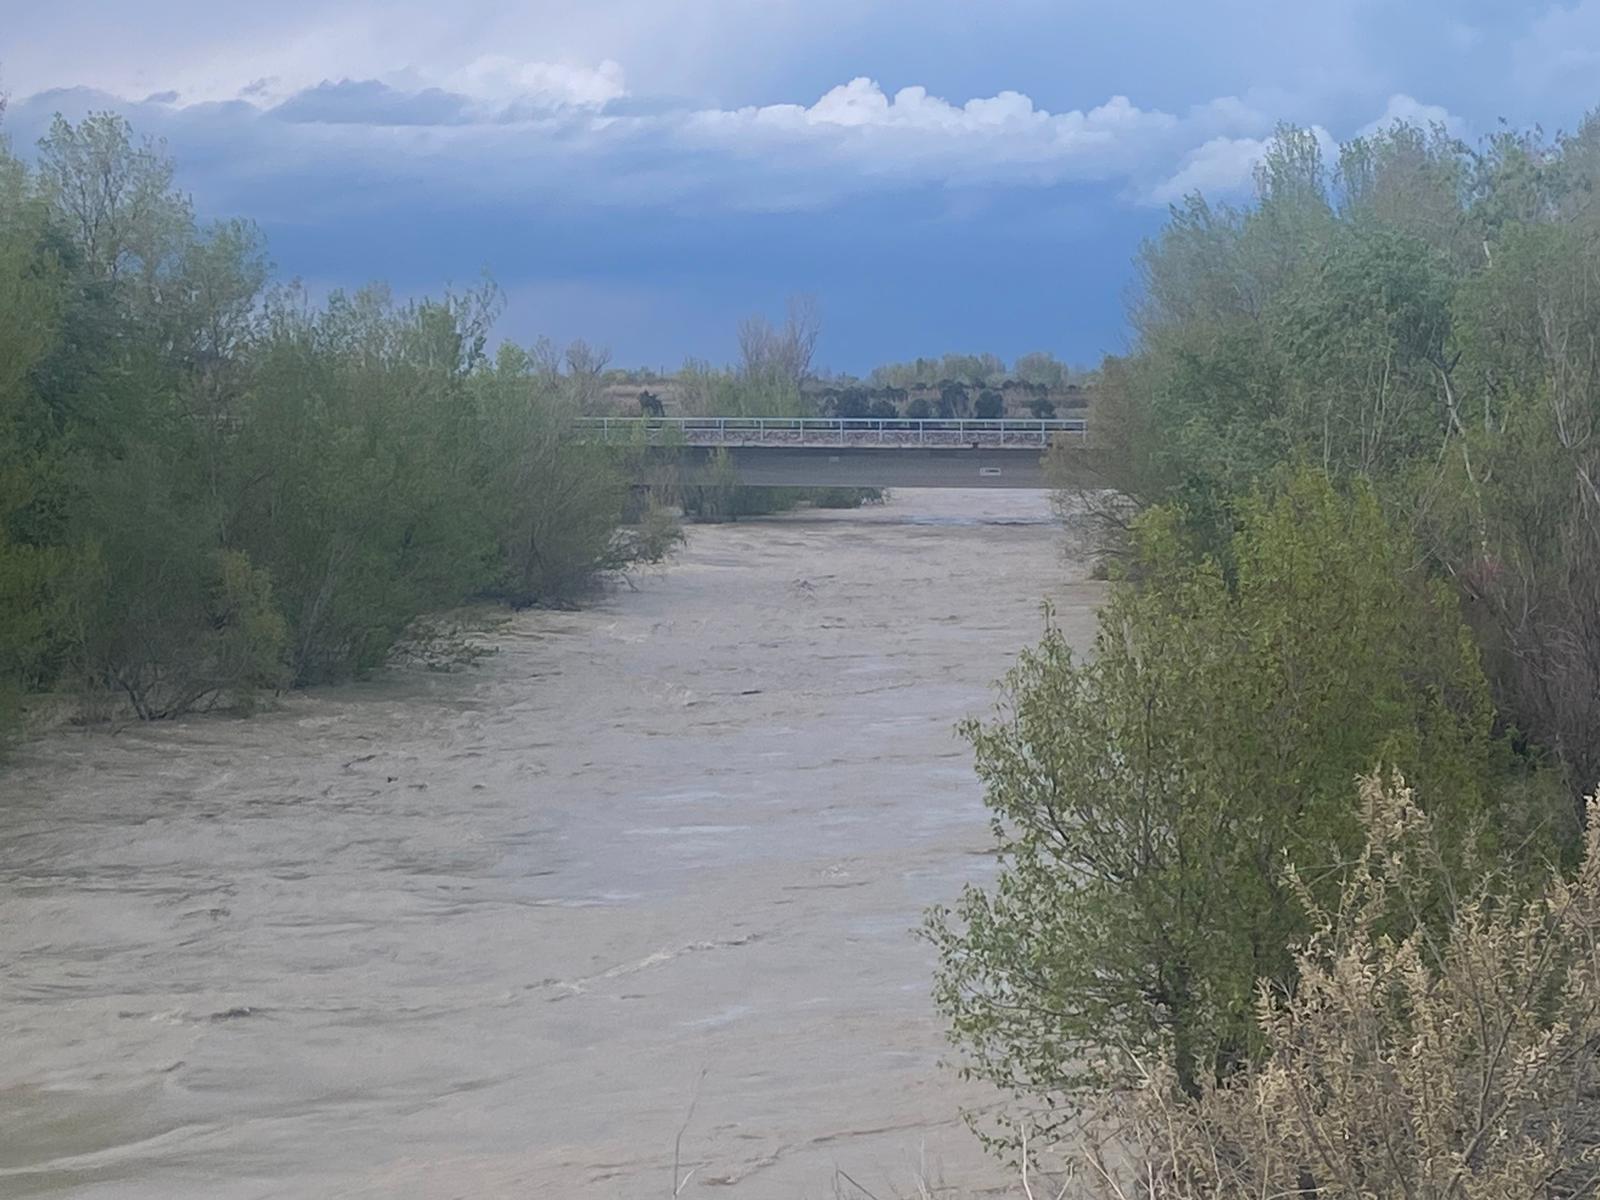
1006,432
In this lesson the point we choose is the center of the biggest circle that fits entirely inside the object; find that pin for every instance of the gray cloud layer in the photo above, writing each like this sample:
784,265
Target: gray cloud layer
510,130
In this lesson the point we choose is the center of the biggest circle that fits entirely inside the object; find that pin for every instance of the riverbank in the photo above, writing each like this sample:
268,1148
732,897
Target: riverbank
481,934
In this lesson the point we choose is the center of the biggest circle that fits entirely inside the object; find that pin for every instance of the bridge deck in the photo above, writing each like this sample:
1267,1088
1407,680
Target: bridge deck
822,432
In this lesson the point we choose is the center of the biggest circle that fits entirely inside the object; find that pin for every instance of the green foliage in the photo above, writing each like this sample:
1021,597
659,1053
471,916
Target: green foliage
652,538
554,507
1457,1062
845,497
977,370
31,302
1423,318
1144,800
207,492
161,613
353,471
953,401
1041,368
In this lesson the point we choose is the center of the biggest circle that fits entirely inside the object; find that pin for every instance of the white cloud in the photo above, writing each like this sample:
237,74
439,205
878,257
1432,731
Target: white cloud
1403,109
500,80
1223,166
920,137
510,131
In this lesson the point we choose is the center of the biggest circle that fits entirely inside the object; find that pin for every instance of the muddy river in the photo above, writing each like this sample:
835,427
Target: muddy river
648,868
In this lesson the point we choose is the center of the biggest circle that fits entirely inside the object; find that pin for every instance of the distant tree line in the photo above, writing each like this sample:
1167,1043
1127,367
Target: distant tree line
945,400
1040,370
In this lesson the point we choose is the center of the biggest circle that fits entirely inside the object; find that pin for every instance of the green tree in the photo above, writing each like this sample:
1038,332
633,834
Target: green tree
1144,800
1041,368
553,507
1422,319
32,299
352,471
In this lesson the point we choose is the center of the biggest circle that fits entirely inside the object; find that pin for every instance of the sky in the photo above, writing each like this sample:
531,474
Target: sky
942,175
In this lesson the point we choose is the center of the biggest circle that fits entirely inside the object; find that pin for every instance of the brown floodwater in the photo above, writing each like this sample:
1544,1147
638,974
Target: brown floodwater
493,933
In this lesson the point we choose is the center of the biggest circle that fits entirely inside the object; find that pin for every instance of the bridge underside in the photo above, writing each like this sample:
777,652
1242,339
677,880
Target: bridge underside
877,467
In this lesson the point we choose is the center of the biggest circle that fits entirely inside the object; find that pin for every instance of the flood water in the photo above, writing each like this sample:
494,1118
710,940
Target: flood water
494,933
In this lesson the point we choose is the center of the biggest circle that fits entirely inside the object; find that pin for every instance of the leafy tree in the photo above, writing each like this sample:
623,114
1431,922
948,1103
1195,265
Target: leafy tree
206,493
1041,368
32,299
354,470
554,508
1145,799
116,199
990,406
851,404
952,401
781,356
1420,318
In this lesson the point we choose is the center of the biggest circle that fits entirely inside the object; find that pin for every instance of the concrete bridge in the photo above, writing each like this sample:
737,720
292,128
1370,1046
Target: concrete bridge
853,452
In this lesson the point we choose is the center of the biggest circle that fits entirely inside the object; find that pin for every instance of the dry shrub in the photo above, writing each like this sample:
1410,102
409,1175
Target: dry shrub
1459,1060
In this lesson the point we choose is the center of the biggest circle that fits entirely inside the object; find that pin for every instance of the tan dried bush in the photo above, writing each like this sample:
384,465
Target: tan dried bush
1461,1060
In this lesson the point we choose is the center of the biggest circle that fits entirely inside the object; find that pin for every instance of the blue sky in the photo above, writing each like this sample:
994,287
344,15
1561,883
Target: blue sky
944,175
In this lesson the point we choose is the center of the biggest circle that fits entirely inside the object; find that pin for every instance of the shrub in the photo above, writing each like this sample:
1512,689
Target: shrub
651,539
1143,801
1459,1060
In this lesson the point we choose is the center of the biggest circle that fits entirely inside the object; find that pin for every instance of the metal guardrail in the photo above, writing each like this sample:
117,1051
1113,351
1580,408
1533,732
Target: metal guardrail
1007,433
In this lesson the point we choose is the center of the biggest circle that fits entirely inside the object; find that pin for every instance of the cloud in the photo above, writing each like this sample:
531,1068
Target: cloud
491,89
1560,52
540,85
1221,167
504,131
369,102
918,138
1225,167
1404,110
